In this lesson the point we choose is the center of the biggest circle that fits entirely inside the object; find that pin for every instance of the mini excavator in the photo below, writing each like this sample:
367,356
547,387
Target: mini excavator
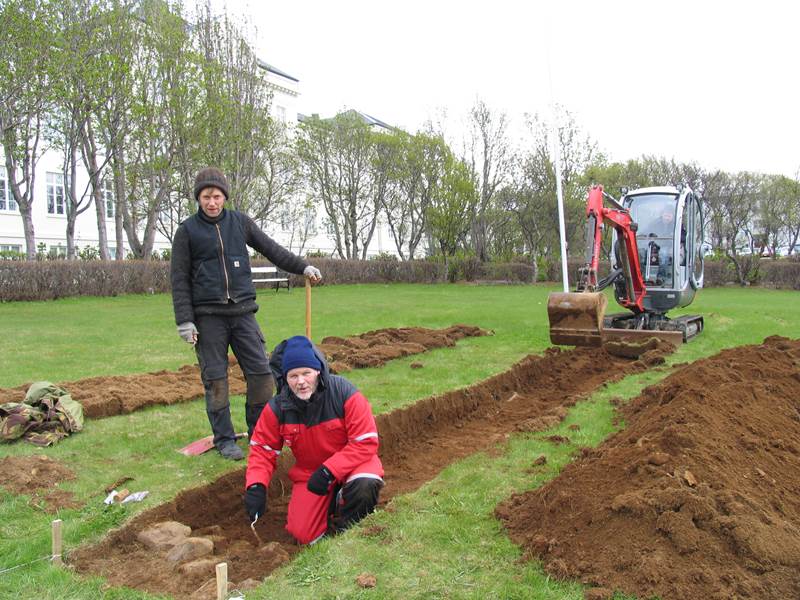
651,227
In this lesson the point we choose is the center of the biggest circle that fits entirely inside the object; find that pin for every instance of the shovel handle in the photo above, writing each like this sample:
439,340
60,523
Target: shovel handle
308,308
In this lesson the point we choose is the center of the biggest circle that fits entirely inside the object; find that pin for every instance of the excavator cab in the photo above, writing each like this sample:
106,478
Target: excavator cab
656,266
669,238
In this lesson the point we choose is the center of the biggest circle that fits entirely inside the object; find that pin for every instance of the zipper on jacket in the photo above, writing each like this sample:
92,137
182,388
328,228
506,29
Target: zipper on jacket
224,268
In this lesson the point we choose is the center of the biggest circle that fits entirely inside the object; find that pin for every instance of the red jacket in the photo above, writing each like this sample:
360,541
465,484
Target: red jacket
335,427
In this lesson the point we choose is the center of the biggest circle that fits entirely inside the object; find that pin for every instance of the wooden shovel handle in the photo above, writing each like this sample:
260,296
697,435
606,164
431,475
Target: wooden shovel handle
308,308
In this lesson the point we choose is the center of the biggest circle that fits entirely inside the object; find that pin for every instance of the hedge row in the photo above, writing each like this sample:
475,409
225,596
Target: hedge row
47,280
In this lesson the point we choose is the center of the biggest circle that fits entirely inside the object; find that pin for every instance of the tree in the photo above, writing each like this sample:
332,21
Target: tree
417,176
449,213
25,74
164,115
791,213
532,197
491,160
81,87
774,204
337,155
734,204
235,131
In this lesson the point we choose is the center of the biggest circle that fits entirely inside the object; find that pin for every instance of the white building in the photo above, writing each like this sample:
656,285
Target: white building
49,207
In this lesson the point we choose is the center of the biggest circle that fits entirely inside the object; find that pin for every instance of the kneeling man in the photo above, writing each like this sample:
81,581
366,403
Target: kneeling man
328,425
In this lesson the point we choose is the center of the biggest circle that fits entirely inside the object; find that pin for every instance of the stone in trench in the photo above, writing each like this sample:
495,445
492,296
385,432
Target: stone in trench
274,556
164,535
191,549
201,566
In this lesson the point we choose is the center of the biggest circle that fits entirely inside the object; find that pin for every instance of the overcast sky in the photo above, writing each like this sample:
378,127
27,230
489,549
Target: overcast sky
712,82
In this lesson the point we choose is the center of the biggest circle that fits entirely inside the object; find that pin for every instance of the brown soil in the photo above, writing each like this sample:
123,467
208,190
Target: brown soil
696,498
534,394
375,348
123,394
37,475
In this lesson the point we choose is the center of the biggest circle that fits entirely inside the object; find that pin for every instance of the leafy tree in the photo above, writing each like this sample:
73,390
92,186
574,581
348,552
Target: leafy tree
26,70
449,213
234,129
416,165
80,57
338,157
734,203
164,112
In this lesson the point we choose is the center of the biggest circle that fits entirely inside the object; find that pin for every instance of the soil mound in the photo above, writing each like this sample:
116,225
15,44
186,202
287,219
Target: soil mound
696,498
39,476
532,395
374,348
123,394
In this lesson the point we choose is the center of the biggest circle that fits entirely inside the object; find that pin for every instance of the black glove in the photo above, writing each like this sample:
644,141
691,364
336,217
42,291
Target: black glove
255,500
320,481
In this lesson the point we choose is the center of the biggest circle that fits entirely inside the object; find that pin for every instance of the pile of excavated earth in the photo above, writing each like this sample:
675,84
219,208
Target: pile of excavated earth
696,497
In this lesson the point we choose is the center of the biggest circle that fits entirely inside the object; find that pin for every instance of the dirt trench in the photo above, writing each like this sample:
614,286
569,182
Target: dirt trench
533,395
123,394
699,495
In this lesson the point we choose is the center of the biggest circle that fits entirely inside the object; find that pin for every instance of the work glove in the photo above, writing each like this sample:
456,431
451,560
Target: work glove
312,273
188,332
320,481
255,500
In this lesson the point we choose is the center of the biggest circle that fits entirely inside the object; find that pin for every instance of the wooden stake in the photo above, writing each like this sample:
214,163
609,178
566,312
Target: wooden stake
308,308
56,547
222,581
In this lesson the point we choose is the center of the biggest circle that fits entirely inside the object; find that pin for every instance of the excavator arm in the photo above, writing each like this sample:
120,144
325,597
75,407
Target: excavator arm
618,217
576,318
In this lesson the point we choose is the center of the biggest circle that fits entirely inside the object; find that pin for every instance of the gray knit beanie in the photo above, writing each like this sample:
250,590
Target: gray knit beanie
210,177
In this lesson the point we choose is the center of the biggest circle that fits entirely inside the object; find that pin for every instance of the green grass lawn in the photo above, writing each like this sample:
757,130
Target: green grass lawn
440,542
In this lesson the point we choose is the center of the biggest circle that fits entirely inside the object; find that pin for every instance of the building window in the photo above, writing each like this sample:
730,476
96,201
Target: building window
10,248
311,223
57,251
7,201
280,113
55,194
108,196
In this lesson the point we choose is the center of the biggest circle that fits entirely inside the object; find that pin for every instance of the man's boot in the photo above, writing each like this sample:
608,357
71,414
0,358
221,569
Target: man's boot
218,409
259,392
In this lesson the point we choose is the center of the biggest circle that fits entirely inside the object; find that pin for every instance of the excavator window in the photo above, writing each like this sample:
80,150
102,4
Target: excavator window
655,215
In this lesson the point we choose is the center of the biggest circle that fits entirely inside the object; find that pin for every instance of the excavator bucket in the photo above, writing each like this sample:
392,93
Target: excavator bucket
576,318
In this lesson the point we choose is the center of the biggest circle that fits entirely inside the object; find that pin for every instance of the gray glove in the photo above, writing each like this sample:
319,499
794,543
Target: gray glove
312,273
188,332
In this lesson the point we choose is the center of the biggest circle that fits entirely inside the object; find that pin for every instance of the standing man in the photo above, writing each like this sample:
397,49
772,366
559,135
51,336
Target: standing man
328,425
214,300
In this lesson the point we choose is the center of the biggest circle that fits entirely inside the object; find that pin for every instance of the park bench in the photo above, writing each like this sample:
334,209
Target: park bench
271,276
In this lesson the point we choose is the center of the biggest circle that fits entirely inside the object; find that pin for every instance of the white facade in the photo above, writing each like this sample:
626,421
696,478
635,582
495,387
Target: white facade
49,211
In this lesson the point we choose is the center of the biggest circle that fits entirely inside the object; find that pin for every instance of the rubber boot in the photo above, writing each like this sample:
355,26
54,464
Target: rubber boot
218,409
259,392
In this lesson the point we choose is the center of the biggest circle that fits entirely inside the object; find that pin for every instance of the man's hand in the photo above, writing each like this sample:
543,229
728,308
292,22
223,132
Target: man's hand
312,273
188,332
255,501
320,481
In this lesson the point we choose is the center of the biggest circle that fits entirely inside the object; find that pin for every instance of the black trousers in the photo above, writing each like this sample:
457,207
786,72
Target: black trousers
240,333
354,501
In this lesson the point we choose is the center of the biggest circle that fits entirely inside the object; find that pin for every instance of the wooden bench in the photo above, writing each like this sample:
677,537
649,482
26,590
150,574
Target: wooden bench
270,276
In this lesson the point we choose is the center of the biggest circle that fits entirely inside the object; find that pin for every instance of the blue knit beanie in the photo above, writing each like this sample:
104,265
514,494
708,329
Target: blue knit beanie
299,353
